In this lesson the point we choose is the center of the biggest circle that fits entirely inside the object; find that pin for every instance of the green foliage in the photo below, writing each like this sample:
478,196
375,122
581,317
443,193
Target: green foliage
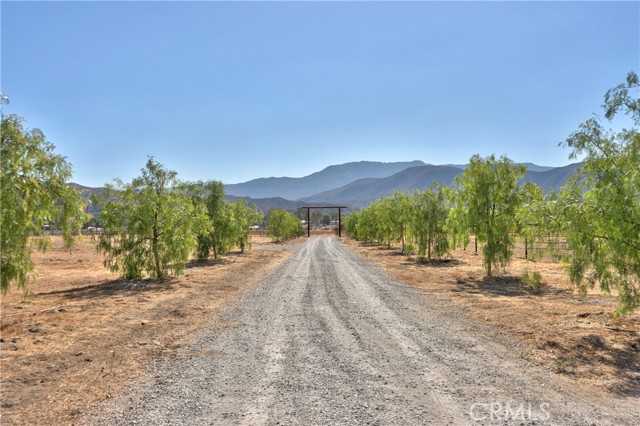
245,217
150,225
384,220
283,225
229,223
533,280
33,193
428,217
418,219
600,207
395,213
218,237
486,201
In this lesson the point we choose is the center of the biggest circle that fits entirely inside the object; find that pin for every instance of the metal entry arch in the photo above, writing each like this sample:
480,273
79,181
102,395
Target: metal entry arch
324,208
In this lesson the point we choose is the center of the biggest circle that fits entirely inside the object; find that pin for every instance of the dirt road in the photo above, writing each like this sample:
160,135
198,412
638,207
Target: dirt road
329,338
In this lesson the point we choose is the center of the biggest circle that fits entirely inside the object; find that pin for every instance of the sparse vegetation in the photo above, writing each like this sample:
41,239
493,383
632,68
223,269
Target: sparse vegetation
532,279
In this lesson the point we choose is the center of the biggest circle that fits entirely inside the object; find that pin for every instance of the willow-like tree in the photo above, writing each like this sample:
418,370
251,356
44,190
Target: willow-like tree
486,202
244,218
282,225
394,214
218,238
34,192
428,219
150,225
600,207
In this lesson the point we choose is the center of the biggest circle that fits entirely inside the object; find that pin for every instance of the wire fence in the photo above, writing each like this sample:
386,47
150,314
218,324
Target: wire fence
550,247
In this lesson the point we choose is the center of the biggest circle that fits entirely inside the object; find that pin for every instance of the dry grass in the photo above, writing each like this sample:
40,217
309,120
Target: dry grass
85,334
562,331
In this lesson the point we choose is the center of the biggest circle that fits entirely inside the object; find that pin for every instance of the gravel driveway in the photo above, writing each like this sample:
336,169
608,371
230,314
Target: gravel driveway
329,338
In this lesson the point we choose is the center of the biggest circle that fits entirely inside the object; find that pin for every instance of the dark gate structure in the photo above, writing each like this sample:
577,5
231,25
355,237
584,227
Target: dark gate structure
324,208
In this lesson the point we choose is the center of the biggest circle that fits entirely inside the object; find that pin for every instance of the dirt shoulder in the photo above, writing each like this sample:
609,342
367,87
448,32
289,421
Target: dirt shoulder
86,334
574,337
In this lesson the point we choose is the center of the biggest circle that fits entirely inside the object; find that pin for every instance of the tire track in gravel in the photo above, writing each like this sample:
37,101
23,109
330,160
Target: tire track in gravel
329,338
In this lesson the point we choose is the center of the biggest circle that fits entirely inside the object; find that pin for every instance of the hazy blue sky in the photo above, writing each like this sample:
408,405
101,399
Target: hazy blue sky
235,91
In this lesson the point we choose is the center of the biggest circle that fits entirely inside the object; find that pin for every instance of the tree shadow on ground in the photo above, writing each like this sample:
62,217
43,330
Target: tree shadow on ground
502,286
112,288
120,287
595,351
224,260
434,263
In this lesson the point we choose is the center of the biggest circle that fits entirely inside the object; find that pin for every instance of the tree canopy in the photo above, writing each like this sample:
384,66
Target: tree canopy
282,225
428,219
34,193
486,201
150,225
600,207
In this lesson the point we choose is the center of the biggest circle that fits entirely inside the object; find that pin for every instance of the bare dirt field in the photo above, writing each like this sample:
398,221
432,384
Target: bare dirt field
86,333
577,338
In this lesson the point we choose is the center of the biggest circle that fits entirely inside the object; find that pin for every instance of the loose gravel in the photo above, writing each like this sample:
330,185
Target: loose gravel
330,339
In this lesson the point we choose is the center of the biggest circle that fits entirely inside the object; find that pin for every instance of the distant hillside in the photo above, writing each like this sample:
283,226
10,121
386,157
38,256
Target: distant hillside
357,193
329,178
360,193
267,204
85,193
553,179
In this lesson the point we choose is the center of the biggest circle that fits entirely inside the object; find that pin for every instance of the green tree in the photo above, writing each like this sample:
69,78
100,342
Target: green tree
536,220
350,224
395,216
34,192
428,219
371,226
600,207
283,225
150,225
218,238
245,218
486,202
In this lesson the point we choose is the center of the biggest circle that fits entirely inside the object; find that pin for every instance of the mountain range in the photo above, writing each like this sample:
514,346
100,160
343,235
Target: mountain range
371,180
329,178
359,183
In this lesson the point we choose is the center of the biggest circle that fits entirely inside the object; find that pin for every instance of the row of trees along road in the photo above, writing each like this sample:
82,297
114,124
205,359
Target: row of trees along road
150,226
484,202
153,224
597,213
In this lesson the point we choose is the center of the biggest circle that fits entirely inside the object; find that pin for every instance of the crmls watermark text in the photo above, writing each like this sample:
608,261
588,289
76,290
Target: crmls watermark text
496,411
